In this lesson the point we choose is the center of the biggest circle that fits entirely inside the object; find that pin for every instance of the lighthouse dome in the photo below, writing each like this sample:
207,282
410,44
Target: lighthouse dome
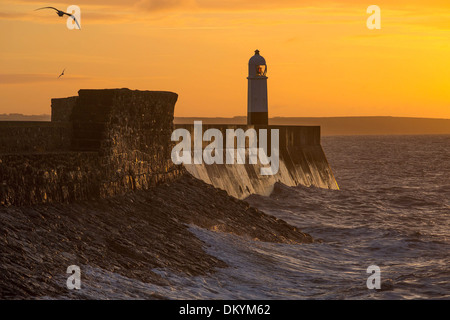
257,59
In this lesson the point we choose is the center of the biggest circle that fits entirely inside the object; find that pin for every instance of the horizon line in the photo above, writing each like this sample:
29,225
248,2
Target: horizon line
243,116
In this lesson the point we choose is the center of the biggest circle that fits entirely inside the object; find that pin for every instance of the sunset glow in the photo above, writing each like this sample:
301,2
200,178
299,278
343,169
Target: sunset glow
322,59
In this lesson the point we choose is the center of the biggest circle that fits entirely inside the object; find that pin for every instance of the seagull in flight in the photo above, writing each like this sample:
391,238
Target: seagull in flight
62,73
61,13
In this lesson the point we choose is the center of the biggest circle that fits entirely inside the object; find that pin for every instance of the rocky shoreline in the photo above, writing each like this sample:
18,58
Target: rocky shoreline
129,235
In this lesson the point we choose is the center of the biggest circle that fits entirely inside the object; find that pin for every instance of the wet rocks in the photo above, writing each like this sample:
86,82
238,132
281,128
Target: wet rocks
129,234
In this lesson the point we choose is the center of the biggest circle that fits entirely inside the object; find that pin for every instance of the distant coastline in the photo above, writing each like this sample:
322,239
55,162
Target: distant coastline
329,125
24,117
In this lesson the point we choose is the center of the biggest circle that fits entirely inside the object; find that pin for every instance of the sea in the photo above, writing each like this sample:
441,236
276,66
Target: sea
384,235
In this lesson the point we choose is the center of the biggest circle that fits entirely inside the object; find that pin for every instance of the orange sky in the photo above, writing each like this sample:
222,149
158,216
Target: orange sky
322,60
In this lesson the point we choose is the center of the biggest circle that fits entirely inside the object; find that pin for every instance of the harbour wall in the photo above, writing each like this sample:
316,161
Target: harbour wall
109,142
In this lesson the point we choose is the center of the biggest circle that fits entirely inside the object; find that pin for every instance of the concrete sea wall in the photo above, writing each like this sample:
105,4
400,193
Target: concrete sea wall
302,162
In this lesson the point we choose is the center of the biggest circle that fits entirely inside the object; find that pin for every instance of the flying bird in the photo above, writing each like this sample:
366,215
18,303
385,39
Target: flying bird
61,13
62,73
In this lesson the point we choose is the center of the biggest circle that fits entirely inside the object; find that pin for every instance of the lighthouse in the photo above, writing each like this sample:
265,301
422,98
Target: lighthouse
257,110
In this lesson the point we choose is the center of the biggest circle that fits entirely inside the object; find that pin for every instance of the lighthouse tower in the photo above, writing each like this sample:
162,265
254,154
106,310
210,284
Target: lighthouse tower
257,111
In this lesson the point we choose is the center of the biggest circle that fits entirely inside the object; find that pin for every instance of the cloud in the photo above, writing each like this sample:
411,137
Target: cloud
163,5
226,5
12,16
90,16
16,78
431,13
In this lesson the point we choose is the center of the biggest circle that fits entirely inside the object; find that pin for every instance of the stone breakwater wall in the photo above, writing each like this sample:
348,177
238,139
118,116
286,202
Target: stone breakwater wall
34,136
302,161
99,144
62,108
